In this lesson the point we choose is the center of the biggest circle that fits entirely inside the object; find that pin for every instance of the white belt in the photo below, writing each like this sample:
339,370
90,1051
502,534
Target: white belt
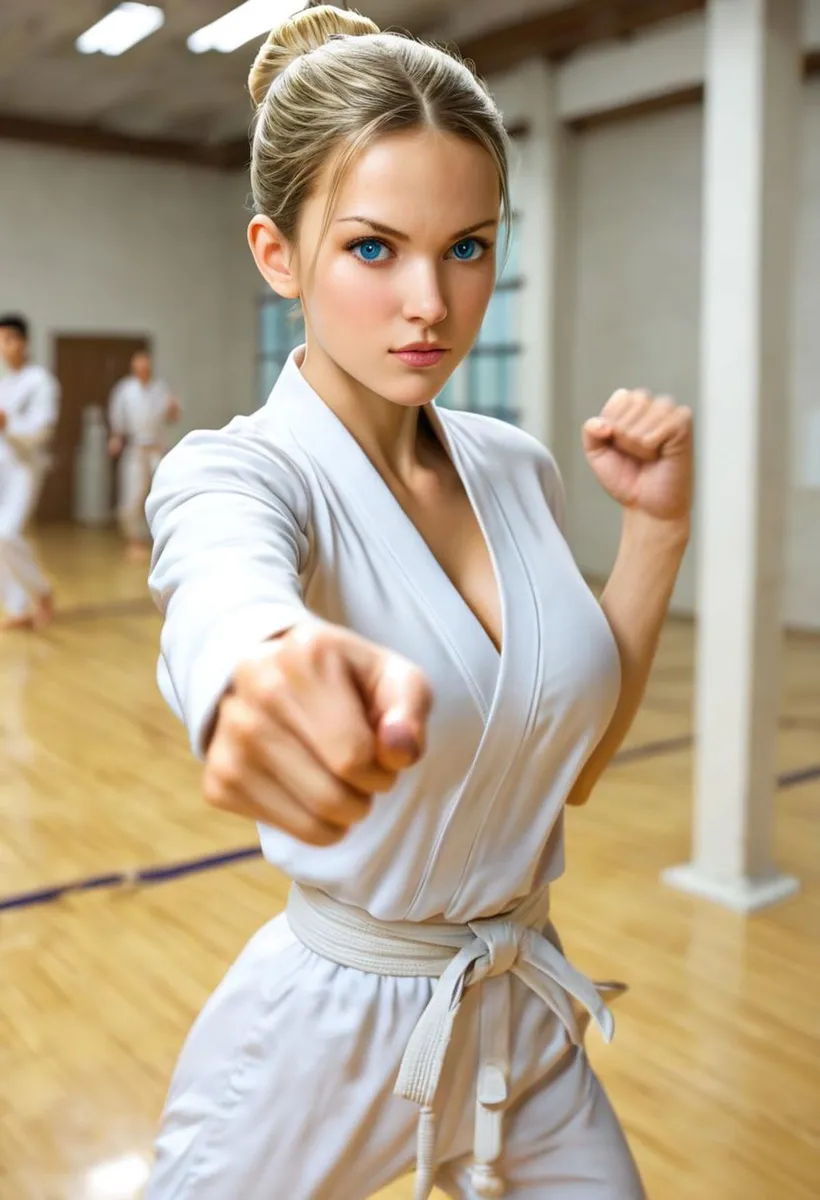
459,956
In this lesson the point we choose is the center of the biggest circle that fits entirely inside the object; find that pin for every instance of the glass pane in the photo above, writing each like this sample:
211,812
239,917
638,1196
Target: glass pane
512,399
483,390
269,369
445,397
500,326
293,327
270,322
510,268
281,327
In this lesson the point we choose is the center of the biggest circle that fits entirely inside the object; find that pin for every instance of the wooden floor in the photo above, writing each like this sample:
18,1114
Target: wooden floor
715,1068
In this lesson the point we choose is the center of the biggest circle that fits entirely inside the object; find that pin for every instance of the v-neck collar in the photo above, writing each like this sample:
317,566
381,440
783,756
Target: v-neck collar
326,438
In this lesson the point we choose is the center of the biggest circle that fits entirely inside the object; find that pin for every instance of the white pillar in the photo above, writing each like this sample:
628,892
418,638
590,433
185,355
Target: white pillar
752,106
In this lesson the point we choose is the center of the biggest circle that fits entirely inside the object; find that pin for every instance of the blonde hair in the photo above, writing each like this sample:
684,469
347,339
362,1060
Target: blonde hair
329,79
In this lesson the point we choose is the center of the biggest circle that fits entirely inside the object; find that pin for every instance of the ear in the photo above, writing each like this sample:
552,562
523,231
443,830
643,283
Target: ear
274,256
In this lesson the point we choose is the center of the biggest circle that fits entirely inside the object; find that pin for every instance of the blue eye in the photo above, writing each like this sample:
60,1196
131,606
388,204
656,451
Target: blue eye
369,250
468,249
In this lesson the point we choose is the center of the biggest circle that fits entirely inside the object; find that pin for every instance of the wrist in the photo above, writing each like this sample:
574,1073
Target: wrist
671,533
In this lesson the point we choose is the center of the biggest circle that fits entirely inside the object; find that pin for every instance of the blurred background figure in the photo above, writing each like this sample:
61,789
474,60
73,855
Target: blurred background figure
29,405
139,409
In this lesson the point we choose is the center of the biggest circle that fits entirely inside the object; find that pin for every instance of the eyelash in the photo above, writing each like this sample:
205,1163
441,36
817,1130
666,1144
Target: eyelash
376,241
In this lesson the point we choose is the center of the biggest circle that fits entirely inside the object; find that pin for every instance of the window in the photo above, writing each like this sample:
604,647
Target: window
281,329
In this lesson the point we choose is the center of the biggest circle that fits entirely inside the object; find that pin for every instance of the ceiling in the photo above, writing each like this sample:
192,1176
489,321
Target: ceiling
159,96
156,89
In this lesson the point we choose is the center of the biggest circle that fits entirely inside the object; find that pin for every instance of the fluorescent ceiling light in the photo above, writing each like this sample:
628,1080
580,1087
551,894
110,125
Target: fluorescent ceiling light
242,25
121,29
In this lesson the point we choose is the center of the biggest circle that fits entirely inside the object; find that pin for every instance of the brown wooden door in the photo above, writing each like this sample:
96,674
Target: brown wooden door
87,368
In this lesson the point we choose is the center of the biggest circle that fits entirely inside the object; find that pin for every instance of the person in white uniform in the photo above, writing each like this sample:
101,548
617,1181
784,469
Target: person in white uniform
29,409
139,408
384,652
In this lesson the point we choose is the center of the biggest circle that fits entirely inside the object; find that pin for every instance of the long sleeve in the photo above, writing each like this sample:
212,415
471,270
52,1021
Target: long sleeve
116,411
31,426
229,516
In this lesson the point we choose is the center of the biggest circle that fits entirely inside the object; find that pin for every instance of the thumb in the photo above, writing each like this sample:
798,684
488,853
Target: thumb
398,699
401,713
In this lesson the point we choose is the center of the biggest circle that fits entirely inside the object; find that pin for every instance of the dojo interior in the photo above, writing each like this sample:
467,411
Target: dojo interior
666,196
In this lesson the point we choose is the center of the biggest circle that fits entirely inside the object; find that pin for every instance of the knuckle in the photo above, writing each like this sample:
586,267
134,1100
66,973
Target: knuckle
270,685
355,753
328,801
307,643
241,724
223,771
299,652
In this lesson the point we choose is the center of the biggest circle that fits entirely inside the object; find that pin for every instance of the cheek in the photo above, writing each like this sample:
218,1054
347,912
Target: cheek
351,293
470,293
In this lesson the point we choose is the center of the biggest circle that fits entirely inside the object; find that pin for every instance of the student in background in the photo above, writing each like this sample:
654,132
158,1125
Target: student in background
139,408
29,408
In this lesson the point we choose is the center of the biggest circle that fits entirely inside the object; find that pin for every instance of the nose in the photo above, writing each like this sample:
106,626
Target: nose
424,300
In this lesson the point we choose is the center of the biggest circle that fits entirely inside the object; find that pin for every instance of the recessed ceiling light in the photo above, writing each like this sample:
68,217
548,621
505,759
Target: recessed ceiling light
121,29
242,24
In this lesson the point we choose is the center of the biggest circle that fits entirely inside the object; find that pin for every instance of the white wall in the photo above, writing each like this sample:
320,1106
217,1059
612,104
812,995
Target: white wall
105,244
636,280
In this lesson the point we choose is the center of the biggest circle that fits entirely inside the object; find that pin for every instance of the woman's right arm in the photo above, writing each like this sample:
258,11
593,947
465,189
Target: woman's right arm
228,517
275,700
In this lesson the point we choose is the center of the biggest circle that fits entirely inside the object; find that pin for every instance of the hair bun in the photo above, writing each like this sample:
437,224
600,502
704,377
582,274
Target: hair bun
299,35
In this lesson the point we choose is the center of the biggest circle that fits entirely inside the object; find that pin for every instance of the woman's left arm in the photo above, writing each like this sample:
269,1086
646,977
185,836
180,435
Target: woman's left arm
640,449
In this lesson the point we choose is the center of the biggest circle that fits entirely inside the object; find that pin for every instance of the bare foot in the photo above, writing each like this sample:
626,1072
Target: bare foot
137,552
26,621
43,613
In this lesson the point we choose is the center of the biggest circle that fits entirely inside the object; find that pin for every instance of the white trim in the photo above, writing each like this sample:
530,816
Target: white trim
739,895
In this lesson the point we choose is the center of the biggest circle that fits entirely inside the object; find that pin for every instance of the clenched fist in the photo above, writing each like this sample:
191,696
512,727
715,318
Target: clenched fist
316,723
640,448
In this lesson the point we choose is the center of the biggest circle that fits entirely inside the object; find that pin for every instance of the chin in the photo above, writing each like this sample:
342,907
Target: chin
413,393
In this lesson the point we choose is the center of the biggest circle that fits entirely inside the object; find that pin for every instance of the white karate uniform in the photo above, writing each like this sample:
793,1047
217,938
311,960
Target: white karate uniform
285,1086
137,414
30,398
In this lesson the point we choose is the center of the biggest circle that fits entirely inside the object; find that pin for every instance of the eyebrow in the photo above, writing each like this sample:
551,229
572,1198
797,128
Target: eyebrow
378,227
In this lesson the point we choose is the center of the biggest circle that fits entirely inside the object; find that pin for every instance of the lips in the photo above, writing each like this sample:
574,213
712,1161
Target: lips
420,354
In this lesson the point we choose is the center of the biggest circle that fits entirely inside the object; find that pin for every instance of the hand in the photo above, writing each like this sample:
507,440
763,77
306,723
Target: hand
114,446
173,410
317,721
640,449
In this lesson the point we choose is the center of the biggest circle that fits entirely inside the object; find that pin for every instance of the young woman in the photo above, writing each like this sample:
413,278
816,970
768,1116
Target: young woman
380,644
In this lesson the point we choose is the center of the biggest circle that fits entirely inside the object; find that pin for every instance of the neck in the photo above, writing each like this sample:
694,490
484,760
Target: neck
388,433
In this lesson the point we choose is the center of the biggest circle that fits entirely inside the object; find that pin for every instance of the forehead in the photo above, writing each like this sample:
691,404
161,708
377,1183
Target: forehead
421,181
